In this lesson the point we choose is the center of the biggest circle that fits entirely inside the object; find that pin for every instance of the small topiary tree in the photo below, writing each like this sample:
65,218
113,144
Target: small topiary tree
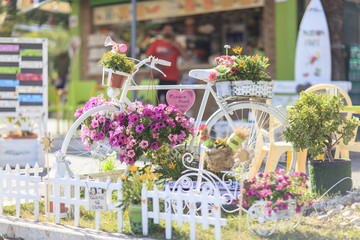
315,122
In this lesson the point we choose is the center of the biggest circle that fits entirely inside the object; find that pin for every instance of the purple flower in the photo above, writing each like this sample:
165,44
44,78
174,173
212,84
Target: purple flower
279,202
276,210
101,135
260,175
133,118
279,187
139,128
154,145
311,203
298,209
284,206
157,117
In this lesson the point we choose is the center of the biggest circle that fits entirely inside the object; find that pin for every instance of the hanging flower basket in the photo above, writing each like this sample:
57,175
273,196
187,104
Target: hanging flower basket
247,88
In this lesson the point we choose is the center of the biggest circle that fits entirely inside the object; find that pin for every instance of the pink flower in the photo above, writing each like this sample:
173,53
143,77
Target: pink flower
156,135
78,112
94,123
212,76
172,137
144,144
279,187
268,211
279,202
131,153
101,119
276,210
268,204
311,203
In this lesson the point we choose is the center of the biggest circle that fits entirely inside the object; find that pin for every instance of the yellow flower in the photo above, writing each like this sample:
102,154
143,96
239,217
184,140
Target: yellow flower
237,49
172,165
142,177
133,168
266,60
241,63
123,177
255,58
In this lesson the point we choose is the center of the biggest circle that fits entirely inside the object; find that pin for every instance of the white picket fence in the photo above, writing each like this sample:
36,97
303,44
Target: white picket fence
67,191
26,187
199,208
181,207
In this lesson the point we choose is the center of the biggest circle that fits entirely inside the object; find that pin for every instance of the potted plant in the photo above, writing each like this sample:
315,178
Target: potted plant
246,74
134,132
132,185
119,65
315,123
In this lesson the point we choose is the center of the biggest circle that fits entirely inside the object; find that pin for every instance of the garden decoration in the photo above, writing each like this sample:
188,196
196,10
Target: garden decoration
46,140
133,132
118,66
266,199
315,124
241,75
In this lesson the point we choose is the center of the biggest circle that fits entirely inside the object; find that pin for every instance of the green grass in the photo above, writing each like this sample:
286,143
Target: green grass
309,228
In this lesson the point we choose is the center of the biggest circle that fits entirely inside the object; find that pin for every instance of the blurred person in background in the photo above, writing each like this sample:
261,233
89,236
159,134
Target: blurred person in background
165,47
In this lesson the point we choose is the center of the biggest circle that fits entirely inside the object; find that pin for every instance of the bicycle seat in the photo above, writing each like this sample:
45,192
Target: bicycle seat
202,74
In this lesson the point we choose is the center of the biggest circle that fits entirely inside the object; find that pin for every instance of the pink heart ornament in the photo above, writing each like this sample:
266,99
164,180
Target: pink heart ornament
182,101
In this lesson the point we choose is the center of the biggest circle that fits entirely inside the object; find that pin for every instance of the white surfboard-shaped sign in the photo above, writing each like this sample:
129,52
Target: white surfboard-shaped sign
313,52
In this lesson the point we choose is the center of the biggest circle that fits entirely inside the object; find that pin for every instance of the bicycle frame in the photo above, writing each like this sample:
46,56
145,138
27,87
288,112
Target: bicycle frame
206,87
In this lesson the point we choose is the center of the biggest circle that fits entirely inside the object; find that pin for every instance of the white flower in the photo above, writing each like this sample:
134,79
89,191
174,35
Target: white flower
227,46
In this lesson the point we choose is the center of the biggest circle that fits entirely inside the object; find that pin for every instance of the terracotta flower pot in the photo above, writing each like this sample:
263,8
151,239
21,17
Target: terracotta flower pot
117,80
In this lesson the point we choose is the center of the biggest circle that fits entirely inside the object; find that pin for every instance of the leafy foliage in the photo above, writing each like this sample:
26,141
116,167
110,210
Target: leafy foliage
315,122
133,183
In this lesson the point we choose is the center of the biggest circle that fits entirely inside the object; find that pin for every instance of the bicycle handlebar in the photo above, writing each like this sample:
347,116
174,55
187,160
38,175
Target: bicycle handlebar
153,61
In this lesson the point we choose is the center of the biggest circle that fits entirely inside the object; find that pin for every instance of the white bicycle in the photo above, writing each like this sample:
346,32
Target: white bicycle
266,123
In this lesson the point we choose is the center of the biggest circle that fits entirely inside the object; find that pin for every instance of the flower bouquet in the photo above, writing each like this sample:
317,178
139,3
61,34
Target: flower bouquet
278,189
137,131
243,75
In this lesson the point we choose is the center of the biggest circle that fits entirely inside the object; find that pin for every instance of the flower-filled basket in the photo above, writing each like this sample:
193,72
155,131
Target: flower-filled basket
219,154
115,62
134,132
241,75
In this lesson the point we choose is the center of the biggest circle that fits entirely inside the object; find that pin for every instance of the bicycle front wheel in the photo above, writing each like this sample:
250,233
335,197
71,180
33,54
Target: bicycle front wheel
265,146
87,158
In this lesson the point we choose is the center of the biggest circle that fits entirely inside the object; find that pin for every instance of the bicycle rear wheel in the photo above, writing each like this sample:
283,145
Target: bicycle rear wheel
265,144
95,159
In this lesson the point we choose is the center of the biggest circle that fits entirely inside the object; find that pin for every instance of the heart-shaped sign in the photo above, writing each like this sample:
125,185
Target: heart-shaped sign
182,101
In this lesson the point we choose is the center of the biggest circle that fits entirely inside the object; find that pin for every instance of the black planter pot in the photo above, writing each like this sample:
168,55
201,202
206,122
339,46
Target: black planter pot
324,174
